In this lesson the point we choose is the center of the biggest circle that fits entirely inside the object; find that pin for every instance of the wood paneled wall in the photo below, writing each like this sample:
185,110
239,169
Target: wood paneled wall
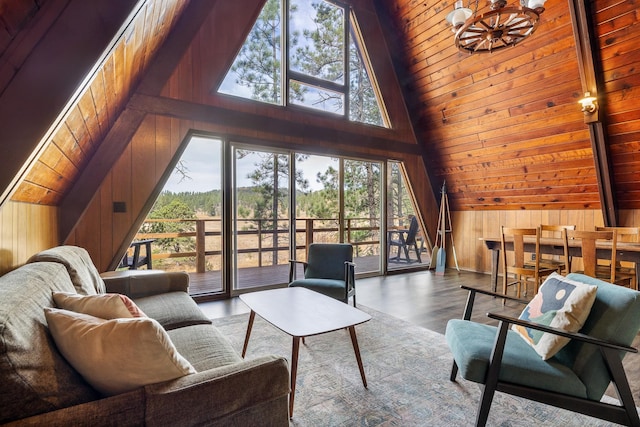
470,227
24,230
504,129
618,35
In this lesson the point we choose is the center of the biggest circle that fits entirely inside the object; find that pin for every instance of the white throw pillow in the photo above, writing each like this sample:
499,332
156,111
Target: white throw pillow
104,306
561,303
118,355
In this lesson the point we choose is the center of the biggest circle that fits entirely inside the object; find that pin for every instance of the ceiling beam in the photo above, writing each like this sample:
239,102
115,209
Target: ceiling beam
589,64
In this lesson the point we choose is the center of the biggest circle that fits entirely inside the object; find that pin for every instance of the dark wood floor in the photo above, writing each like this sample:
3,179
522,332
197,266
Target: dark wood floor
428,300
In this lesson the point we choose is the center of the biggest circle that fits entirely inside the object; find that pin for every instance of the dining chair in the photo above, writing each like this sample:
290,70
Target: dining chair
523,264
329,269
625,234
554,261
589,242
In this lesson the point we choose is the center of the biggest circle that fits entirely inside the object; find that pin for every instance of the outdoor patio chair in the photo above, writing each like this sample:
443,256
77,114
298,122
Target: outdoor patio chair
329,269
575,378
404,240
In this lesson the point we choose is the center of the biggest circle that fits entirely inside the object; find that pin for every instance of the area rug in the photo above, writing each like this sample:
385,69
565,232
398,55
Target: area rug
407,369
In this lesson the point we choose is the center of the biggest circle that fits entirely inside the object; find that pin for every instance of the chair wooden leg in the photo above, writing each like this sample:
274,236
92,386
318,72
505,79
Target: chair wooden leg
454,371
491,382
485,405
612,358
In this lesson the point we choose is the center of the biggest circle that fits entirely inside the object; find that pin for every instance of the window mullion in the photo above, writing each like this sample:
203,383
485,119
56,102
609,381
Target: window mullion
346,63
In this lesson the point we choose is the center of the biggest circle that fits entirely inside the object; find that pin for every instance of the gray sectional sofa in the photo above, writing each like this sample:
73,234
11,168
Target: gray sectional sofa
39,387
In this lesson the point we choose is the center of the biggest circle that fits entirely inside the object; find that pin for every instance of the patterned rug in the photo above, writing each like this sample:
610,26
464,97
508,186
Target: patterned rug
407,369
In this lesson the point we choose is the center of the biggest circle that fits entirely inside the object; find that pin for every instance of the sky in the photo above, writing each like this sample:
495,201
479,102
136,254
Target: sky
202,161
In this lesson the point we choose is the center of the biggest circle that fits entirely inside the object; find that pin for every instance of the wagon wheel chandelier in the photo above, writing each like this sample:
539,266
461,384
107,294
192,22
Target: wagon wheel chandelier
496,29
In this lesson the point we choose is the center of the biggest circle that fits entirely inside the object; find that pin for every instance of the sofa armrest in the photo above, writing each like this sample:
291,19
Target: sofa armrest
142,283
252,388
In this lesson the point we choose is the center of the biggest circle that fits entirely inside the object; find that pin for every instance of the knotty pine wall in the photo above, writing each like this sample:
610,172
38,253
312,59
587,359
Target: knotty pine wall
469,227
24,230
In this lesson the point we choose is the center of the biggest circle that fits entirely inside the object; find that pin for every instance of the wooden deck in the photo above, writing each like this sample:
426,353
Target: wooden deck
266,276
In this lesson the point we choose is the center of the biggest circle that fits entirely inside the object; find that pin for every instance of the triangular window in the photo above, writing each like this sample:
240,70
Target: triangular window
320,63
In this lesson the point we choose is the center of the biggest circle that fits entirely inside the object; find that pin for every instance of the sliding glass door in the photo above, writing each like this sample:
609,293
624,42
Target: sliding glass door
362,183
260,223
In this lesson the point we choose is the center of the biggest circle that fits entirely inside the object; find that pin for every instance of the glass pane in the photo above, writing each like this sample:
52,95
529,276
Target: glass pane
316,39
185,220
316,98
363,102
362,209
405,243
317,202
261,223
256,72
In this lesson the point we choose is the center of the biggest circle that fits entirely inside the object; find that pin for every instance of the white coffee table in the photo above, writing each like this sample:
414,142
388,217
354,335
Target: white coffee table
301,313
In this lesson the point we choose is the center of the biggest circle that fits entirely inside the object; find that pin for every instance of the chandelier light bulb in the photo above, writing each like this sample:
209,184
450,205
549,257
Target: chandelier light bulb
458,16
535,4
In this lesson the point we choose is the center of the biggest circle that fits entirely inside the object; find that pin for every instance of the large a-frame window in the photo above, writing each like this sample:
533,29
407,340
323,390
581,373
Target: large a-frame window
311,57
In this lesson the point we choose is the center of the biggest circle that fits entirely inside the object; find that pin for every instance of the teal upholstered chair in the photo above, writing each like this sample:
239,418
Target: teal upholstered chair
575,378
329,269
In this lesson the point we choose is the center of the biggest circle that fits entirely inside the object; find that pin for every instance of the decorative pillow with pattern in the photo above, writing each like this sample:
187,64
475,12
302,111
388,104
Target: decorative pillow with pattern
118,355
560,303
104,306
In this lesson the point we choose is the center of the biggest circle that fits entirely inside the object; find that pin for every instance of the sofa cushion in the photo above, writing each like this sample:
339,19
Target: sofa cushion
560,303
104,306
204,347
118,355
172,310
35,376
83,272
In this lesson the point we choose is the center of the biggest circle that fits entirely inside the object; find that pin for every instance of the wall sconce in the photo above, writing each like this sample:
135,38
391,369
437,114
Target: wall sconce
589,103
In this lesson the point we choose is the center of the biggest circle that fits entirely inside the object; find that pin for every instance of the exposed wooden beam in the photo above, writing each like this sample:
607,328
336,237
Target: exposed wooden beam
588,63
262,123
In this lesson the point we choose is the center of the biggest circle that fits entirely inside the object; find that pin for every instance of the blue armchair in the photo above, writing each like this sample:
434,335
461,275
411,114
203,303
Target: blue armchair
329,269
575,378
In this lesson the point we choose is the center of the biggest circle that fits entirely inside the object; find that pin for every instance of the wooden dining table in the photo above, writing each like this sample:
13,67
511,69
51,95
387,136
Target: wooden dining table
625,251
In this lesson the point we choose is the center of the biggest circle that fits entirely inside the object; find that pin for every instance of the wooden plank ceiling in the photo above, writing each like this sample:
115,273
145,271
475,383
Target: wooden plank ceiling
91,117
504,129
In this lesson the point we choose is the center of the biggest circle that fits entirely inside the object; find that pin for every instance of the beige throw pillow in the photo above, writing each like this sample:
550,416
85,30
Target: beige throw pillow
119,355
104,306
561,303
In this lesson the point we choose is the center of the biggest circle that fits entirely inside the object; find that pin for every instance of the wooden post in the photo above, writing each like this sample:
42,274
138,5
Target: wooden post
200,246
308,234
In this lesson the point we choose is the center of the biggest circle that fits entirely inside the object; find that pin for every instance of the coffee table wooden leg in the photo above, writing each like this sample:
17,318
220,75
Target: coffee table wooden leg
252,317
356,349
294,372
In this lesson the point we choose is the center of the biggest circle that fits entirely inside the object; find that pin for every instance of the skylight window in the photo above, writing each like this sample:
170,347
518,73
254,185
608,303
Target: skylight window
320,63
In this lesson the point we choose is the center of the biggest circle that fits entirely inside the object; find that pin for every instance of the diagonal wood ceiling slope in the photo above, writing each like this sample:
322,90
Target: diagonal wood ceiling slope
96,108
504,129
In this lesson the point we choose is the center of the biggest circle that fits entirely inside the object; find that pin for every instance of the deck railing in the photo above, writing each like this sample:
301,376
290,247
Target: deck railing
364,238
